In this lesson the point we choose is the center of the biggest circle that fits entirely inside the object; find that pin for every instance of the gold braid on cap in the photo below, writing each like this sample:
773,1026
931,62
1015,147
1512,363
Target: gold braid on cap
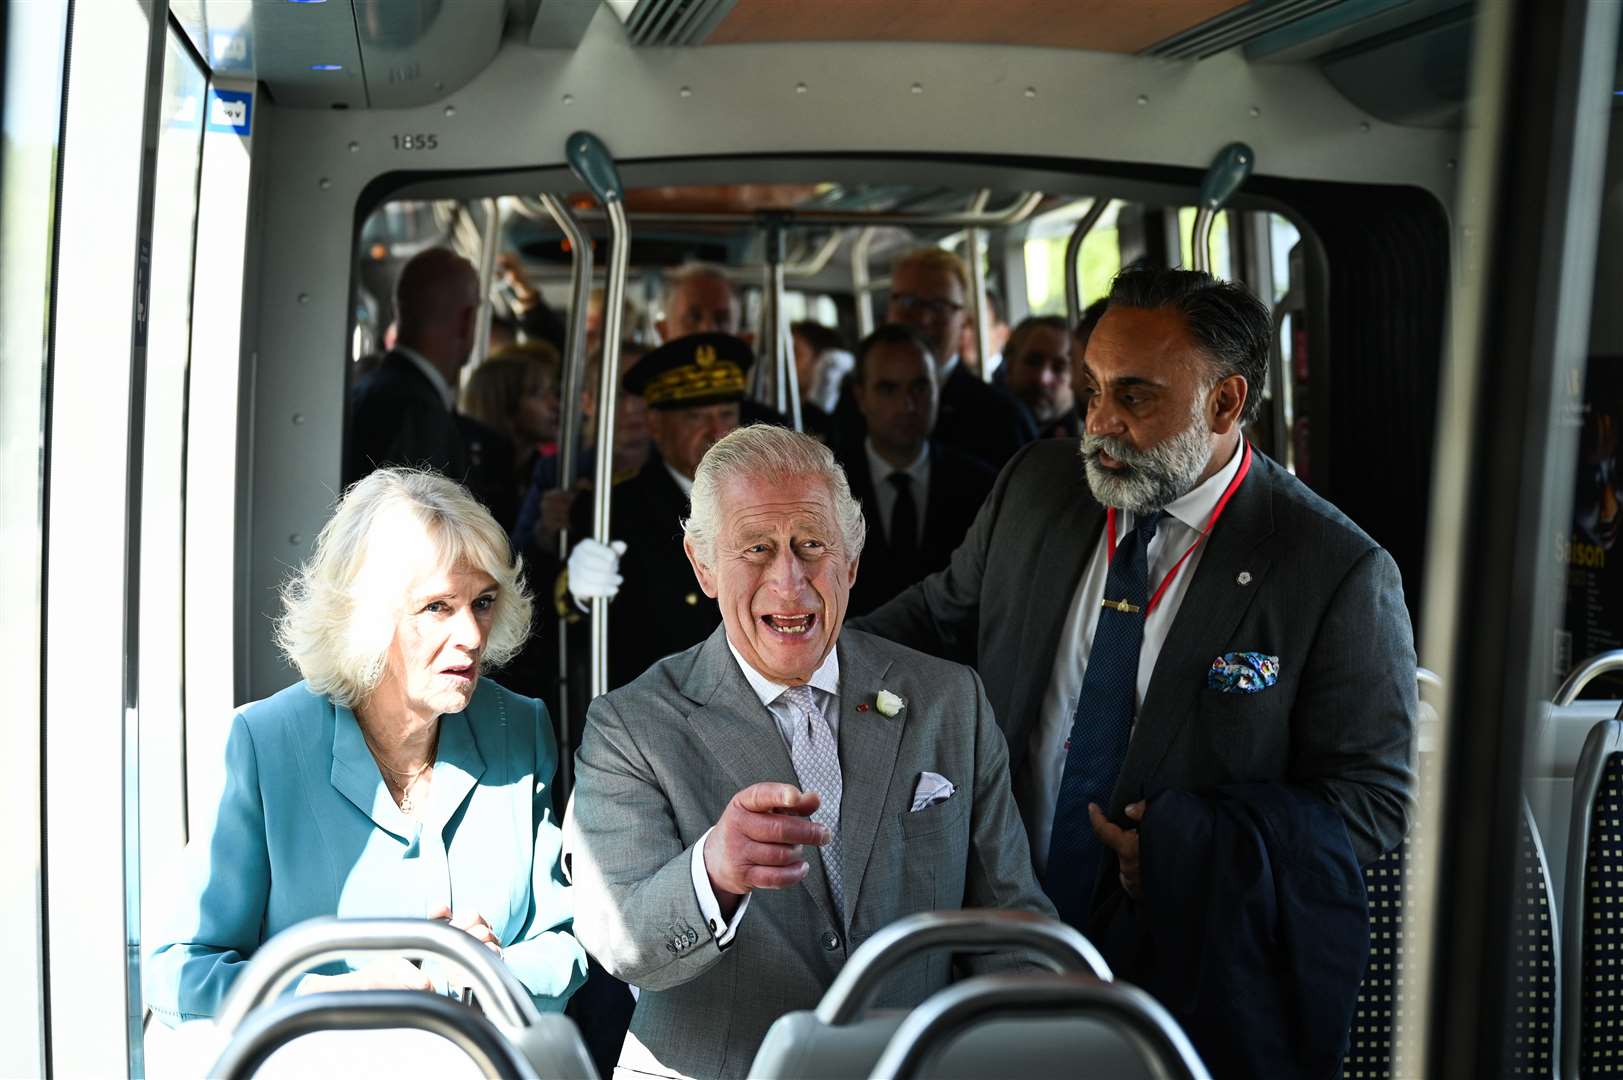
705,377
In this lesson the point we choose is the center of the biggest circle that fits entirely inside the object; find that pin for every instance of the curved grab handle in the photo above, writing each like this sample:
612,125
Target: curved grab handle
1148,1026
1063,948
1601,664
319,941
371,1010
1226,173
590,160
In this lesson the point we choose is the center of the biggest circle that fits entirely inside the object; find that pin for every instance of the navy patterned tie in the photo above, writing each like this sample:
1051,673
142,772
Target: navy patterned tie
1102,725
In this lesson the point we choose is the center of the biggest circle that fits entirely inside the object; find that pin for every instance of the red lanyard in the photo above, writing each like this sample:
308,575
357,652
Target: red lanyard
1217,512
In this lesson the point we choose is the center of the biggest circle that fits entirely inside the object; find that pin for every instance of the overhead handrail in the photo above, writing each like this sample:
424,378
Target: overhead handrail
571,378
1013,214
310,944
1073,252
861,284
1587,672
1227,172
592,163
1166,1050
1060,946
467,1029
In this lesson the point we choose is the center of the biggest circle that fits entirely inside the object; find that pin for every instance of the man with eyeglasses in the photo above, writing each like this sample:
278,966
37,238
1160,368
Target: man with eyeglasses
929,291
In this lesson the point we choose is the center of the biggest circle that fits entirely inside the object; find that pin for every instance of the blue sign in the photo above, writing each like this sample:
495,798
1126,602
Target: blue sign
231,112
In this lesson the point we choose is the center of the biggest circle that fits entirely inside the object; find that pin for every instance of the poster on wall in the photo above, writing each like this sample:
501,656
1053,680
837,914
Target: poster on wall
1593,554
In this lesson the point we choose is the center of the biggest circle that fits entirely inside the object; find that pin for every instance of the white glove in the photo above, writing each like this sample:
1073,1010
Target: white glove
594,571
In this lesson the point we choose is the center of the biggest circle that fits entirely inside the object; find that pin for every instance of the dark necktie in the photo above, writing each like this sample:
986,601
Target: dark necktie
904,519
1101,727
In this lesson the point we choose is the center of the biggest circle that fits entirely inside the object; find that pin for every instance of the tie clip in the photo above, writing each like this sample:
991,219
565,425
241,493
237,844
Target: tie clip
1121,605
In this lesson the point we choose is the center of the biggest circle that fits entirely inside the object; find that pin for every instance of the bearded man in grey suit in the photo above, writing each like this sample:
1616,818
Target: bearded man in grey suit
749,812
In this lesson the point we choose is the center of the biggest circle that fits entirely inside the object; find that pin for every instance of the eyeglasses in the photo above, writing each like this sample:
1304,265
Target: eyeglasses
940,309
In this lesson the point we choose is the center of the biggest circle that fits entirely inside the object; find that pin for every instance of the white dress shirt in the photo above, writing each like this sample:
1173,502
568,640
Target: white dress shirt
884,492
826,679
1038,786
432,373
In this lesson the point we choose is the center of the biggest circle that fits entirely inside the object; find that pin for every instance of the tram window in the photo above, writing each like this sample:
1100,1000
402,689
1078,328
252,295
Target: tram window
814,306
1045,246
174,221
1282,236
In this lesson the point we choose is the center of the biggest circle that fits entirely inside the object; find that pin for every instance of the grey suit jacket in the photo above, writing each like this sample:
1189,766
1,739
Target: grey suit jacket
1285,574
660,760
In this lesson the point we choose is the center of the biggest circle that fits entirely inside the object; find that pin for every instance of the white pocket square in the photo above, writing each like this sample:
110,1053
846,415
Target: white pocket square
932,788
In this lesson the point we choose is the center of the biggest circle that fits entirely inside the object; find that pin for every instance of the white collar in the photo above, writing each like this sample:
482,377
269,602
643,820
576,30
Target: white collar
1195,506
945,370
826,678
879,468
422,363
683,482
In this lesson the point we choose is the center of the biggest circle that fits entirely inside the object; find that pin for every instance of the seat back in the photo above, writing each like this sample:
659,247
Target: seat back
1592,1035
1531,1036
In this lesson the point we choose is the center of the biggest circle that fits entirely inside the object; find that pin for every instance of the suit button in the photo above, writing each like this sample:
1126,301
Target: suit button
831,940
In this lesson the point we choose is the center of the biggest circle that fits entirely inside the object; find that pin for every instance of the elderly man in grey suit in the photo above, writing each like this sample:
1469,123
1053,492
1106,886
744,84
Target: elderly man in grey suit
1170,611
748,812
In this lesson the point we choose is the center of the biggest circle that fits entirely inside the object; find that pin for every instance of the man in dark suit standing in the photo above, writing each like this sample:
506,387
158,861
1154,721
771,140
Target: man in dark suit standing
693,387
1174,614
918,495
929,291
403,412
1037,362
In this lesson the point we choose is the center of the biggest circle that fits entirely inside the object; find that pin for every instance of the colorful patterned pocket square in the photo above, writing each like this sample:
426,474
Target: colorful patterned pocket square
1242,673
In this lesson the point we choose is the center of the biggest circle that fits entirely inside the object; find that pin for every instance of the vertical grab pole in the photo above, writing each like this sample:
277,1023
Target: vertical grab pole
569,390
860,281
1227,172
592,163
1073,252
977,278
779,356
490,239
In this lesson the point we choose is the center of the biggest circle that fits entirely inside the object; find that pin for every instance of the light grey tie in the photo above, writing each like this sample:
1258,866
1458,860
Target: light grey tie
816,758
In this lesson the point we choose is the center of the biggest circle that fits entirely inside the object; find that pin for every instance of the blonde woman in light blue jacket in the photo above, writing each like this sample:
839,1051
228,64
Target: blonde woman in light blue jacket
393,779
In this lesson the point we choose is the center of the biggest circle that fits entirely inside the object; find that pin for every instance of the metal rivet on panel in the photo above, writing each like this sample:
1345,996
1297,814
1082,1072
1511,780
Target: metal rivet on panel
1031,91
801,88
1143,99
686,91
1364,127
295,538
304,298
1255,112
325,184
1452,163
917,88
298,418
354,147
450,110
569,99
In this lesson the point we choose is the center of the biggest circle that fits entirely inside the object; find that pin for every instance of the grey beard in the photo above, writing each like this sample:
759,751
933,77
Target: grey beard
1154,477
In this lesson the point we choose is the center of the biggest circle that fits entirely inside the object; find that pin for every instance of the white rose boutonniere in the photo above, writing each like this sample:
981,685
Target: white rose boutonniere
889,704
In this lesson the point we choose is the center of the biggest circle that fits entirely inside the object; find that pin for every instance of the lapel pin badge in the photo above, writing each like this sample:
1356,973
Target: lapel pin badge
1244,578
862,706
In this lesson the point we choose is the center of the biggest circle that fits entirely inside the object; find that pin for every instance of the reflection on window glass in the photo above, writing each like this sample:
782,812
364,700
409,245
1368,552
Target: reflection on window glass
1098,261
1282,236
163,810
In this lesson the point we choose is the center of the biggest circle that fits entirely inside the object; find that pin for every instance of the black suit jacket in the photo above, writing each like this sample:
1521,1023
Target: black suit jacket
1284,573
397,417
974,418
660,608
1253,930
958,486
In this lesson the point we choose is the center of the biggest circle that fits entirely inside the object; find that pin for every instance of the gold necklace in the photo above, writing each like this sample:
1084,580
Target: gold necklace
402,800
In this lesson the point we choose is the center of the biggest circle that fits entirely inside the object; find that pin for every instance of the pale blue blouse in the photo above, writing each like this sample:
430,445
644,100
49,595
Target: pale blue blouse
305,827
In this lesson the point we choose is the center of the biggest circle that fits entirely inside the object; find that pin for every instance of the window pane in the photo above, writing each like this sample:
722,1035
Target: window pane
1099,261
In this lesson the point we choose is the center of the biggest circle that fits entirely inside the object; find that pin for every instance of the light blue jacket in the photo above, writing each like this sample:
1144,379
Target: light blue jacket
305,827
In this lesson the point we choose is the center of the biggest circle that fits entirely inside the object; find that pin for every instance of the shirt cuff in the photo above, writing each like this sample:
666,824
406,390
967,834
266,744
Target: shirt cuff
720,929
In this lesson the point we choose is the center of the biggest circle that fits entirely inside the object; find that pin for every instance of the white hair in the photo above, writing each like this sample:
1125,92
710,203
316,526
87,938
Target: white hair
676,279
764,451
337,623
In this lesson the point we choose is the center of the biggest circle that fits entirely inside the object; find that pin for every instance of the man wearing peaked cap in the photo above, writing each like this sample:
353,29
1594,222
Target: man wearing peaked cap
693,387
